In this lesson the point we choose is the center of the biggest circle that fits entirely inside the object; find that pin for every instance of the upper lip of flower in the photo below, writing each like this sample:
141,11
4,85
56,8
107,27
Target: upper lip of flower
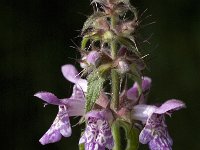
142,111
72,75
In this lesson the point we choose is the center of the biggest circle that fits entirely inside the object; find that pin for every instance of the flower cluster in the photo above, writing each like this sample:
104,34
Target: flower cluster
114,92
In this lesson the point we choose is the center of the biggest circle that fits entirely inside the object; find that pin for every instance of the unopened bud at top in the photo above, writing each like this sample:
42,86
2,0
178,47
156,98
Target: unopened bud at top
127,28
123,66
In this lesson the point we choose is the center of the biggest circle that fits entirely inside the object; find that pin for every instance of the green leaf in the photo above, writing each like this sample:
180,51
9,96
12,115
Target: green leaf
129,44
95,85
84,42
132,135
91,20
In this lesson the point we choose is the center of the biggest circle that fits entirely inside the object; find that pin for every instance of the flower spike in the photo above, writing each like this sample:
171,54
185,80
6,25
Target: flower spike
104,99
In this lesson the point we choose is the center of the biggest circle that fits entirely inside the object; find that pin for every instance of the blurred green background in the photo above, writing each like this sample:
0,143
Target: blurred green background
35,41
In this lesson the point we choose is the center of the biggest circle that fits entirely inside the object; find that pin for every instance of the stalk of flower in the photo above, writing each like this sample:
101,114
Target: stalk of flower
105,99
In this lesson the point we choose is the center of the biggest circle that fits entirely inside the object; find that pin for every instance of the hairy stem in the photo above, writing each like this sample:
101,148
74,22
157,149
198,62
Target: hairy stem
114,74
115,90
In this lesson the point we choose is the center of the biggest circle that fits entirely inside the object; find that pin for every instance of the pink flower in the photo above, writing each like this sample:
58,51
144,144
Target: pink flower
73,106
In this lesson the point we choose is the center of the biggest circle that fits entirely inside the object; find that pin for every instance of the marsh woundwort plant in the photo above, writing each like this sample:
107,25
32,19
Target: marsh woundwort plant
102,94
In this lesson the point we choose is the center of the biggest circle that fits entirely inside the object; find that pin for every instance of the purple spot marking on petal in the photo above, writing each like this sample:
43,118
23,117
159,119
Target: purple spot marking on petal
98,133
155,132
61,126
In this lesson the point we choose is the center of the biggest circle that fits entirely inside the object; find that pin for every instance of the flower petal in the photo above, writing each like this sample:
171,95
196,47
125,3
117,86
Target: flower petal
133,93
104,138
146,83
82,139
143,112
64,124
70,73
77,93
49,98
160,143
155,132
97,134
50,137
82,84
92,57
75,107
170,105
93,146
145,135
61,126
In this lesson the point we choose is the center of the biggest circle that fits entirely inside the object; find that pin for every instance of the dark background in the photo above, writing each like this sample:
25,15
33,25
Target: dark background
35,41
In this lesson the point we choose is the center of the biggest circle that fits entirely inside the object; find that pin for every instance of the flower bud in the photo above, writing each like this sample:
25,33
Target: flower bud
123,66
101,24
127,28
93,57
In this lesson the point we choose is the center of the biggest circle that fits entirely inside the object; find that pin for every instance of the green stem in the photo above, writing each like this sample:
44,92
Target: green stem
116,136
115,90
114,74
132,135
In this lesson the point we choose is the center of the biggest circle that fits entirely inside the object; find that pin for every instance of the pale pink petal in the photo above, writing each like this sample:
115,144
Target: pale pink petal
169,106
48,97
77,94
60,127
97,135
70,73
82,84
133,92
75,107
143,112
146,83
92,57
